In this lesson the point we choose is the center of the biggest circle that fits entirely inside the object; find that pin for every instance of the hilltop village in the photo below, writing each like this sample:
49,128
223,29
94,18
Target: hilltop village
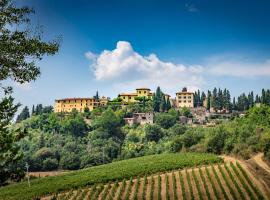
197,109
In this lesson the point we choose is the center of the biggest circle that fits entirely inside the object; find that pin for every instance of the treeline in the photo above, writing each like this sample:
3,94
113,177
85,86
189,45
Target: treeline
36,110
220,100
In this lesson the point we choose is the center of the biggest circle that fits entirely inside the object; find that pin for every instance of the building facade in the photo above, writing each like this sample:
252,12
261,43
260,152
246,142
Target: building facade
131,97
140,118
68,104
184,99
140,92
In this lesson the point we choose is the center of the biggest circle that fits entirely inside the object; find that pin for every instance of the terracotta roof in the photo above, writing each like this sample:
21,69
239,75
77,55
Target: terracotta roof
128,94
184,93
86,98
142,89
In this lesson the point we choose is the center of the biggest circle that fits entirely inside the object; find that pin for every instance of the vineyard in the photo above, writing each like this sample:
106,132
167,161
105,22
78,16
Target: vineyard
219,181
98,178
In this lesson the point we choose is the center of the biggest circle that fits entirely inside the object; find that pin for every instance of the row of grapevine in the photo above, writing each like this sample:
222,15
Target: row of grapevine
189,185
167,187
145,182
159,187
204,184
174,186
250,182
225,178
242,181
215,182
135,195
219,183
212,182
234,182
152,188
121,190
197,184
129,188
184,197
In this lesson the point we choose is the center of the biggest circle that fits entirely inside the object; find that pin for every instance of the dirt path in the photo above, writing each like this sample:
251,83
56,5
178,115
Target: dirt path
258,159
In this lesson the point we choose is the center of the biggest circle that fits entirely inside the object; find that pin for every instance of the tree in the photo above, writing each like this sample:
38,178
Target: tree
19,51
165,120
23,115
214,99
157,100
96,97
153,133
33,110
208,100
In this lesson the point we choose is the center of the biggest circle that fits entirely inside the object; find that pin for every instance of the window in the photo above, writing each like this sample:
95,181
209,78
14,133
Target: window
189,97
185,101
144,118
140,92
184,97
144,92
189,101
180,101
129,97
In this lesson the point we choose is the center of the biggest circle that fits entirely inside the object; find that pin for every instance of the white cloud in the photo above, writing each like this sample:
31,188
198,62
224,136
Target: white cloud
238,67
127,69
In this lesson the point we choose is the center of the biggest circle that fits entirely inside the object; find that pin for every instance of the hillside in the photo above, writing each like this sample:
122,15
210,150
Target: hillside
105,173
231,180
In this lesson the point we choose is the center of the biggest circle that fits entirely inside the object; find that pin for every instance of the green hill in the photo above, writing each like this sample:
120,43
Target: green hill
104,173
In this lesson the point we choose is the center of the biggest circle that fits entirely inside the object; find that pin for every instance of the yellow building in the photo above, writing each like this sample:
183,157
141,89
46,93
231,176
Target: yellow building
66,105
140,92
185,99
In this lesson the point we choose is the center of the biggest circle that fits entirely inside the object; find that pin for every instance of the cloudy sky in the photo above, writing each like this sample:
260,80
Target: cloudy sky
115,46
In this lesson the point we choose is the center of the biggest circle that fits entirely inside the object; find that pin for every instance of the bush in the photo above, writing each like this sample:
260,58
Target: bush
49,164
70,161
165,120
153,133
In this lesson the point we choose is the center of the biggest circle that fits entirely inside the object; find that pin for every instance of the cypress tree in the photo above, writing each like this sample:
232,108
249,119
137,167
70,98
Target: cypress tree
208,100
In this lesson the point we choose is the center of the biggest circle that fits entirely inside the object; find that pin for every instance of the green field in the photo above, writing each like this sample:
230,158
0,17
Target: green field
104,173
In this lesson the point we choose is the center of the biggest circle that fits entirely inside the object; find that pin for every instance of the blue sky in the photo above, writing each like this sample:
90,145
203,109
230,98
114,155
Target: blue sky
115,46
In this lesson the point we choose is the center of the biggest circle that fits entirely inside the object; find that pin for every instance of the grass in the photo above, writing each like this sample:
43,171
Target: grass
105,173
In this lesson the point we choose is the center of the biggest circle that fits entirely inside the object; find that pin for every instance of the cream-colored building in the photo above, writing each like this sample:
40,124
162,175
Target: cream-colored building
140,92
67,104
184,99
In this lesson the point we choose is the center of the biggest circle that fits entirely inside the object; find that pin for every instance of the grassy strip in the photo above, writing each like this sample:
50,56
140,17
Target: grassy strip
189,185
234,182
212,183
152,188
227,182
121,190
167,187
250,182
197,184
145,180
137,184
251,195
219,183
159,187
184,195
205,185
174,187
129,189
104,173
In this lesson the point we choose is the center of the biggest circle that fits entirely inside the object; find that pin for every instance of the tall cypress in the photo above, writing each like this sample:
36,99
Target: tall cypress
208,100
